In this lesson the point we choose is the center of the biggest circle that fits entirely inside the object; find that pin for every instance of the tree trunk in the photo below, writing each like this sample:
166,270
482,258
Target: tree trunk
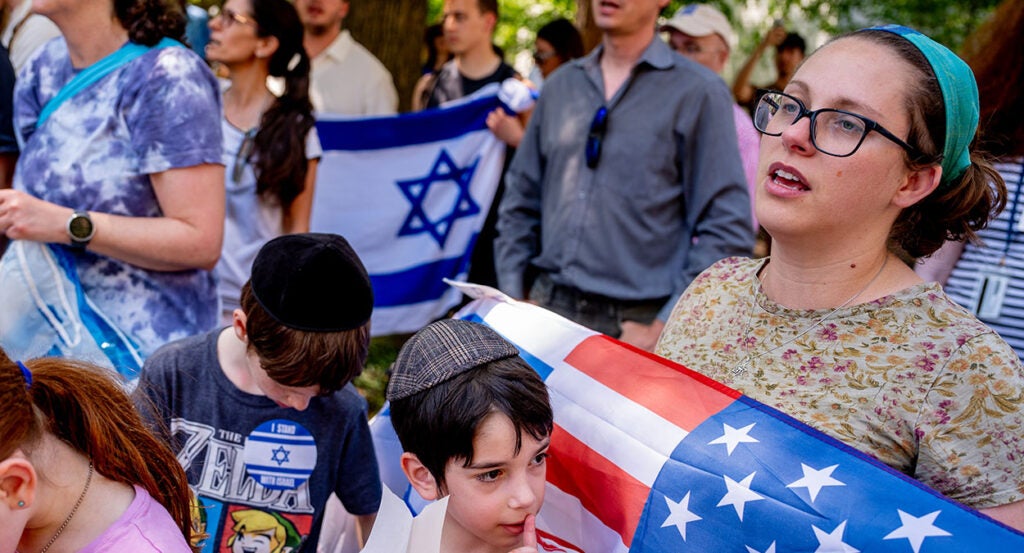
393,31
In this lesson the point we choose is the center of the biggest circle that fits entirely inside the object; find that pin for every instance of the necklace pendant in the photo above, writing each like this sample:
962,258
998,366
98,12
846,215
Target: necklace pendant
741,367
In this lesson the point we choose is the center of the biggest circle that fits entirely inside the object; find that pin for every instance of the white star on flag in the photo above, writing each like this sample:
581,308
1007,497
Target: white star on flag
771,549
733,437
814,480
833,542
916,529
680,515
739,493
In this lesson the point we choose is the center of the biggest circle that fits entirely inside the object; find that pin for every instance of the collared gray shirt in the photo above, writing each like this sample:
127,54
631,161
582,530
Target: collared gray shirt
667,199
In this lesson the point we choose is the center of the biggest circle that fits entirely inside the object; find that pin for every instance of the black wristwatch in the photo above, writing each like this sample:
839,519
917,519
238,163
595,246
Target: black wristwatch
80,230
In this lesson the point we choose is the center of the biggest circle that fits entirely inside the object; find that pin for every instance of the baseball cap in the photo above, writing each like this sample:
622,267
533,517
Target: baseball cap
702,20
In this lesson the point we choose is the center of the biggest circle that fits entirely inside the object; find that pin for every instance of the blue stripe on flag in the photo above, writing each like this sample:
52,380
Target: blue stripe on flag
274,469
418,284
433,125
283,440
542,368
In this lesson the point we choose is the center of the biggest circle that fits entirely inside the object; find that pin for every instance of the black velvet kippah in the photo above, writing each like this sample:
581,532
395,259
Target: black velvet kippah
313,282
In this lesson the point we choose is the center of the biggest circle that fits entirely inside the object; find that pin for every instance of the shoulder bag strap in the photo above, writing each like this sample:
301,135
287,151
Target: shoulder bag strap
97,71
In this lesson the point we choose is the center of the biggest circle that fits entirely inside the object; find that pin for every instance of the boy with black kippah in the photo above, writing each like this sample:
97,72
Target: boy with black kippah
261,413
475,423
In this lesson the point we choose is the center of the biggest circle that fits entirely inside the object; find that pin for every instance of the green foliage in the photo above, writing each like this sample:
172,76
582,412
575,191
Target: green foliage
518,21
373,381
946,21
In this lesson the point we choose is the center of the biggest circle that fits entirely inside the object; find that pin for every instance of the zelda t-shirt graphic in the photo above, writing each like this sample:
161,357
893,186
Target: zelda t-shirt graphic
253,490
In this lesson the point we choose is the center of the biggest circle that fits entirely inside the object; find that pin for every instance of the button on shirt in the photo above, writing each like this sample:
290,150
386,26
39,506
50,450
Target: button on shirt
667,199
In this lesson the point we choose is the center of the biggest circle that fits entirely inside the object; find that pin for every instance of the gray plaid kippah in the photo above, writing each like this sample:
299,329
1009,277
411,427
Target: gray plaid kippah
442,350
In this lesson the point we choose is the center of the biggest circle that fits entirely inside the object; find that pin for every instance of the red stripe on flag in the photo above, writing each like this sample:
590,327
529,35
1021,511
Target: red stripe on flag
675,393
609,493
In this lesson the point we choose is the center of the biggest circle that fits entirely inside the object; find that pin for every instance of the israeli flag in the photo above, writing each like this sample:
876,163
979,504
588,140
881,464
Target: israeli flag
410,193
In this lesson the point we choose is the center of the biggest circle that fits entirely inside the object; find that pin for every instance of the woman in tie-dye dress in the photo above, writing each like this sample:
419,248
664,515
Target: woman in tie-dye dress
138,151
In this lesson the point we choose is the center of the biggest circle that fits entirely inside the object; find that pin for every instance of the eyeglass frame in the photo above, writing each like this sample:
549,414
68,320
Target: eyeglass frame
229,17
812,116
595,137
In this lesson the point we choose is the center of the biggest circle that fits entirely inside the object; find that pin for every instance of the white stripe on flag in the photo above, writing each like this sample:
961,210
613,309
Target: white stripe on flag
635,439
587,531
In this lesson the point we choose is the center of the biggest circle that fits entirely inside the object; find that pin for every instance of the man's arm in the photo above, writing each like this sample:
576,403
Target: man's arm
717,201
519,214
741,87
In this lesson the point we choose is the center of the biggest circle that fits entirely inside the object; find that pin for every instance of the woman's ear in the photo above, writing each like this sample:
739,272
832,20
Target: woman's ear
18,482
267,46
419,476
919,185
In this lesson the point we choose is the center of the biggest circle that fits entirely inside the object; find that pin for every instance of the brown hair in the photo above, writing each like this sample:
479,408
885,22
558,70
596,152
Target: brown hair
958,207
148,21
301,358
83,406
995,54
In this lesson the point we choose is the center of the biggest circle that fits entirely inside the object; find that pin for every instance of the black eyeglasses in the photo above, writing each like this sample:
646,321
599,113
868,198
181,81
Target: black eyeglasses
596,135
833,131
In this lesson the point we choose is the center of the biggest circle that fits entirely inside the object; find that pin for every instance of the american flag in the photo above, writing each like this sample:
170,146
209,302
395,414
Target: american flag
650,456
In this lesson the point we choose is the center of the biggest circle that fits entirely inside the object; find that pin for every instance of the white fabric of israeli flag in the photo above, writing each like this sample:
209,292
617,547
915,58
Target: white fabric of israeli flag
410,193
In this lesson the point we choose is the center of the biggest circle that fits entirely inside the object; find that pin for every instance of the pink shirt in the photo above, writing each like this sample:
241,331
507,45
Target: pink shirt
144,528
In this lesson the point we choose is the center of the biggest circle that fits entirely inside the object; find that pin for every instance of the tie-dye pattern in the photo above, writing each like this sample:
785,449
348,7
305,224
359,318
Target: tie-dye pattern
96,152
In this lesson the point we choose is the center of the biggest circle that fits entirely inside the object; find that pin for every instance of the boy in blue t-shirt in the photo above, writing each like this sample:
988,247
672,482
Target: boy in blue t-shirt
261,413
475,422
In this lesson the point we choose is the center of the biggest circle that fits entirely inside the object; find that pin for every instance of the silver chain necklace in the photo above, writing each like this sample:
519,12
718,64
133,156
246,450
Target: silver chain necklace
744,365
71,515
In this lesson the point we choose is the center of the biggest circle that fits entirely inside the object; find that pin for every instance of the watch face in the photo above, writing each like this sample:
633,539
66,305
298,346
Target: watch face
80,228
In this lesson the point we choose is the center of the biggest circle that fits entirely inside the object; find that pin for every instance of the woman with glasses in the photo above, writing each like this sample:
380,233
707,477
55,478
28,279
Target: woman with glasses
865,157
119,166
557,42
270,146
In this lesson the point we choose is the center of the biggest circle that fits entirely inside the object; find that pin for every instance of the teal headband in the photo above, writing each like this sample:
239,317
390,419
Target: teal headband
959,94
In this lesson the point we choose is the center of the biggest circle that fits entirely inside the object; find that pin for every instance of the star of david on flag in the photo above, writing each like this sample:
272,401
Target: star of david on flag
417,191
648,456
410,193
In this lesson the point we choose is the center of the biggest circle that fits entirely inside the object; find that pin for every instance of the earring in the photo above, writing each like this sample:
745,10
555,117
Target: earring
21,504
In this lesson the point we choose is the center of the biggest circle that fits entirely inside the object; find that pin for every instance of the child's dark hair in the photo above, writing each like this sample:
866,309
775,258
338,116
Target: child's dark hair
439,423
301,358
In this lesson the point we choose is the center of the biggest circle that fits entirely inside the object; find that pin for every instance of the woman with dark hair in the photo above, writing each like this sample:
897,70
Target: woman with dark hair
437,49
866,154
986,276
78,468
119,168
270,146
557,42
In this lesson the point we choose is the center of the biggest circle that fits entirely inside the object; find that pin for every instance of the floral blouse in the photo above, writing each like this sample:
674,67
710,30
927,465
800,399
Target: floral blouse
912,378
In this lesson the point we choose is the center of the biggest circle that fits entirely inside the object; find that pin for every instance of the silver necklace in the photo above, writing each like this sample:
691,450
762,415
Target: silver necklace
745,364
71,515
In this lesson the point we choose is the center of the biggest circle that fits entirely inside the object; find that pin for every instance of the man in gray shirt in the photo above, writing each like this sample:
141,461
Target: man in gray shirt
627,184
